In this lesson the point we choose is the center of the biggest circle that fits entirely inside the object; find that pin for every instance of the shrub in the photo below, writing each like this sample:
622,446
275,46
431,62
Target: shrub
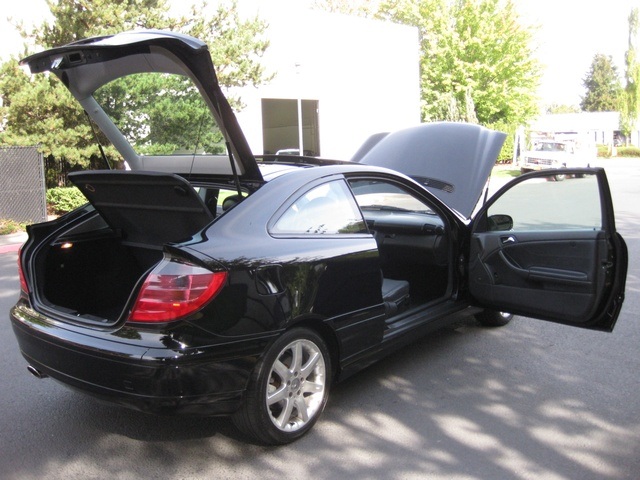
604,151
506,154
628,152
10,226
64,199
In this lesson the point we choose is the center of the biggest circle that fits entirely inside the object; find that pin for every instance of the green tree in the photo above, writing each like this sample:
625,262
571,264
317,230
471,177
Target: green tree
631,102
236,45
39,110
361,8
77,19
603,86
476,59
562,108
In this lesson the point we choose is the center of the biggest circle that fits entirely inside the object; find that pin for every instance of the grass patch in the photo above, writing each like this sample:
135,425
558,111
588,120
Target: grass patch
505,171
9,226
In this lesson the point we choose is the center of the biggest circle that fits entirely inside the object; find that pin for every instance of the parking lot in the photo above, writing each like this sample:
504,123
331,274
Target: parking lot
528,401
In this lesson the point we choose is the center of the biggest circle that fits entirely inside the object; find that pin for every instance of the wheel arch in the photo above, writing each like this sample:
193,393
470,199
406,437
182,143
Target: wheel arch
328,334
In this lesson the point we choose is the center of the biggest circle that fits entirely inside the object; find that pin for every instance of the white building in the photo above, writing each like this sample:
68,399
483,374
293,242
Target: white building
346,77
595,127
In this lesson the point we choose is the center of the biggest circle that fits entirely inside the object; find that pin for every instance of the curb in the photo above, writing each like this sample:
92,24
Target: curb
12,242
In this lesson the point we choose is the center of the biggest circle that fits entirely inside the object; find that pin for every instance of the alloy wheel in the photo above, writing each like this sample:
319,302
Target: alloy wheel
296,388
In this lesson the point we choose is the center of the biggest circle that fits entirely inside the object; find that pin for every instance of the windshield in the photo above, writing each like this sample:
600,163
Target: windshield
550,147
161,114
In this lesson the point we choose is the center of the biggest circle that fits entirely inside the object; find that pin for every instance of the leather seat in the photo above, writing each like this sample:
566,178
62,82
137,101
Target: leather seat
230,201
395,295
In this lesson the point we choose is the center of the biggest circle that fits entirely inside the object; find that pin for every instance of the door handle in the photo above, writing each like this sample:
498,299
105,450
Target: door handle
507,240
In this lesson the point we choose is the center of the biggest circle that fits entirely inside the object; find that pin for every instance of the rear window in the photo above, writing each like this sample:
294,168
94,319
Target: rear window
161,114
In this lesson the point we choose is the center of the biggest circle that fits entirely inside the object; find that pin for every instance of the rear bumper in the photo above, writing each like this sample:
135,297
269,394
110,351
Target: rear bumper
158,379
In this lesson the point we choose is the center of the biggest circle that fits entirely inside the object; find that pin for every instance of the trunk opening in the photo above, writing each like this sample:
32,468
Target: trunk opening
93,279
90,271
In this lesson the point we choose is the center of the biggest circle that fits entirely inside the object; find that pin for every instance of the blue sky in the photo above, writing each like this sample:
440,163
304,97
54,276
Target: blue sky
570,33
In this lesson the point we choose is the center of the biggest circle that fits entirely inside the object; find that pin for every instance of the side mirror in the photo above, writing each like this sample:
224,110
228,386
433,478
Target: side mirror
499,223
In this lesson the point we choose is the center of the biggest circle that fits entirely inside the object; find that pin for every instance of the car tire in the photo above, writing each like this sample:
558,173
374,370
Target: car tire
559,178
288,389
493,318
581,175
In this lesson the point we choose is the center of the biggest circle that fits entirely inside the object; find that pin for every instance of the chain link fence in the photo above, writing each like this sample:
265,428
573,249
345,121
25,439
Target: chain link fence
22,187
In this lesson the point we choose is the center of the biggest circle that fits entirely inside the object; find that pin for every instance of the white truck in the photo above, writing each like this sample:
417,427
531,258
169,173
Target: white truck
549,153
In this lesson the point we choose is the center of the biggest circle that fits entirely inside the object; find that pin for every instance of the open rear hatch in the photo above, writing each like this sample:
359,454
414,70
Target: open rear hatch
87,66
89,271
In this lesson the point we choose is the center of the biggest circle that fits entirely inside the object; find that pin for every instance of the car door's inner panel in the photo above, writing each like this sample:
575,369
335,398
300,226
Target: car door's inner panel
546,248
543,275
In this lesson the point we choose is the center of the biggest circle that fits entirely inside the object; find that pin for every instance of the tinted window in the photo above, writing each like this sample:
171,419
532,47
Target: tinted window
324,210
546,204
381,195
161,114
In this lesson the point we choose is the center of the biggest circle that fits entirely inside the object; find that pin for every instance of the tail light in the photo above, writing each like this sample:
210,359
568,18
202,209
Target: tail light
23,282
174,290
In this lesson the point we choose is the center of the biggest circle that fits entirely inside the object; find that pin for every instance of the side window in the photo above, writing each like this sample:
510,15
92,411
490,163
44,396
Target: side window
543,203
219,199
381,195
327,209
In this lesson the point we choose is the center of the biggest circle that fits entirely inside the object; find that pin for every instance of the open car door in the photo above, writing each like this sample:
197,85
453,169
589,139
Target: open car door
550,250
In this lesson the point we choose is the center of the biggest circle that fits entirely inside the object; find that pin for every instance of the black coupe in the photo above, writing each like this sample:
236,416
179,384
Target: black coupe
201,279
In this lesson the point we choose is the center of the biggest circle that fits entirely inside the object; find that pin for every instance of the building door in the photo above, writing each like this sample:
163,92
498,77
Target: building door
290,125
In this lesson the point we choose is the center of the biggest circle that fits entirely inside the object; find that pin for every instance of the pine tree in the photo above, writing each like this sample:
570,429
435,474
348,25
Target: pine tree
603,86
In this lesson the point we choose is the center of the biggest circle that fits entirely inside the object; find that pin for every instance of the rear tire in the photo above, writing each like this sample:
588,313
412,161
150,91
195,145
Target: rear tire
288,389
493,318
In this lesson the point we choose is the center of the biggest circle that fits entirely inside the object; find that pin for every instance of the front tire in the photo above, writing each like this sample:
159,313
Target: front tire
288,389
493,318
